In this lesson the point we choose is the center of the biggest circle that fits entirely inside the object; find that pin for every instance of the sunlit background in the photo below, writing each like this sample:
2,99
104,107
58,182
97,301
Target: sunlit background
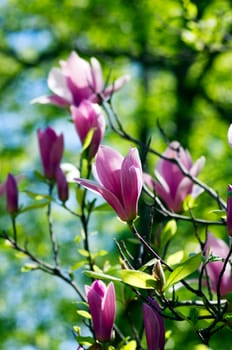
179,56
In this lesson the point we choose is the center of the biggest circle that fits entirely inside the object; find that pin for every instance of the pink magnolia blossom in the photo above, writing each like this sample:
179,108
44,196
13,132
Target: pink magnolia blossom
51,150
154,326
88,116
229,135
9,188
78,80
102,306
11,194
217,247
171,184
62,185
119,180
229,210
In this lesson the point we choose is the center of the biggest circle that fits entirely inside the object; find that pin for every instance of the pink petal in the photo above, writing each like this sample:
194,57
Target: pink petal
96,73
107,195
196,168
109,309
152,328
229,135
131,181
108,167
57,83
219,248
117,85
55,100
77,69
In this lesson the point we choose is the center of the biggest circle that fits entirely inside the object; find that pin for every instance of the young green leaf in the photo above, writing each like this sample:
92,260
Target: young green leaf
138,279
183,270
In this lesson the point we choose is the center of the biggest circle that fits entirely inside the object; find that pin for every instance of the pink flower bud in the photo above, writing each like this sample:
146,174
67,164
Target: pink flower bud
51,150
11,194
88,117
102,306
229,210
171,184
62,185
154,326
78,80
217,247
119,181
229,135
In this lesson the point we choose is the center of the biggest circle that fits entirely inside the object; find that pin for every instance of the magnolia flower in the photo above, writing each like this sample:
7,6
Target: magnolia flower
154,326
119,180
102,306
171,184
62,185
51,150
217,247
11,194
229,210
88,117
229,135
78,80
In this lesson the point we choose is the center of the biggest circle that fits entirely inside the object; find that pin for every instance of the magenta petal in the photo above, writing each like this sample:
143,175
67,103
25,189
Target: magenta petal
102,305
131,181
51,150
96,73
57,83
107,195
109,309
185,187
219,248
55,100
117,85
95,304
11,194
229,210
196,168
56,153
88,116
108,165
152,328
229,135
77,69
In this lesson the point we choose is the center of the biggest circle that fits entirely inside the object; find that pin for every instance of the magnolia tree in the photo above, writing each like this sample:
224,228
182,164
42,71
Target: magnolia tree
163,286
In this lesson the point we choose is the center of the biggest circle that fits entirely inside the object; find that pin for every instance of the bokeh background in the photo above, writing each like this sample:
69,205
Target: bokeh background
179,56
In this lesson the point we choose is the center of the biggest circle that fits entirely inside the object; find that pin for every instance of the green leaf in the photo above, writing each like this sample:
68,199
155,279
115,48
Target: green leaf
183,270
173,258
84,314
29,267
40,176
88,139
138,279
83,252
34,206
189,202
87,341
168,232
151,262
100,253
38,196
103,207
102,276
129,346
78,265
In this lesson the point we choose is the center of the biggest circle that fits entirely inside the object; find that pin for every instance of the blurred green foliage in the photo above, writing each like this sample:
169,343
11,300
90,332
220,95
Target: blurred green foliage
178,54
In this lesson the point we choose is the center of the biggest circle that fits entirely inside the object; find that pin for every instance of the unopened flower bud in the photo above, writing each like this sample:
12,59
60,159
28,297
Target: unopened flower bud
11,194
159,275
62,185
229,210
